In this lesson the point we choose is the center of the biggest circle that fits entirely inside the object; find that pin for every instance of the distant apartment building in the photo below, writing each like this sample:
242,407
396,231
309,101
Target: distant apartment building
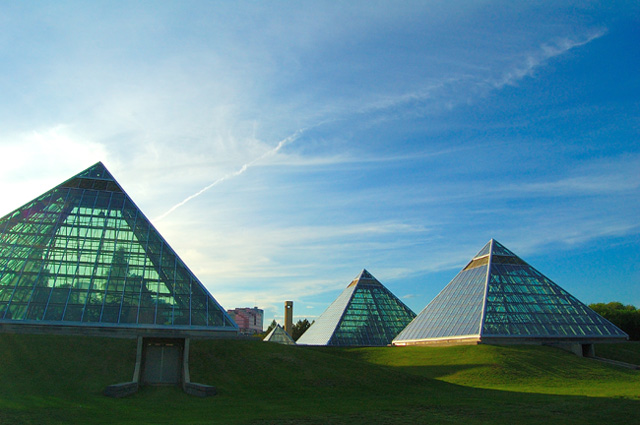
249,320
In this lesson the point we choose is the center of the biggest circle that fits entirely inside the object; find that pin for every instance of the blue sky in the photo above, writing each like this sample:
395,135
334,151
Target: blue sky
281,147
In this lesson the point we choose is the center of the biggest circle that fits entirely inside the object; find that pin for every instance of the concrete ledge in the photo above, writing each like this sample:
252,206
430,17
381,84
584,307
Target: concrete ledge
474,340
114,331
199,390
122,389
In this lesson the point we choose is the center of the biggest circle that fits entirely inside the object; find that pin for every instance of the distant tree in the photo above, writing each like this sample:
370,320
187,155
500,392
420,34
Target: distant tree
299,328
265,333
271,326
626,317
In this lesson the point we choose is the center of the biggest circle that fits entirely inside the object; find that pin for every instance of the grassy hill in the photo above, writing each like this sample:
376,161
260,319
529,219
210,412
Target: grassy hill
53,379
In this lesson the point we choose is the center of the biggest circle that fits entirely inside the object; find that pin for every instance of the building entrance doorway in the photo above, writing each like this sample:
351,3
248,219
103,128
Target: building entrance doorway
162,361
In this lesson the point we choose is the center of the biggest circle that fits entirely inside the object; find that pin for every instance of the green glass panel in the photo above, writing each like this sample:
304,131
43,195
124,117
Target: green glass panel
110,314
129,313
198,317
55,311
35,311
181,316
146,315
16,311
92,313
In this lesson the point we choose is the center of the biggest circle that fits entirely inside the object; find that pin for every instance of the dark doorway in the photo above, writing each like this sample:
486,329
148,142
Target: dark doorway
587,350
162,361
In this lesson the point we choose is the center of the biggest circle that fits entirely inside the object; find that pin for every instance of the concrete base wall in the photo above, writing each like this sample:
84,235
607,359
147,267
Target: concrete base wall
192,388
199,390
440,342
121,390
118,331
580,347
124,389
580,350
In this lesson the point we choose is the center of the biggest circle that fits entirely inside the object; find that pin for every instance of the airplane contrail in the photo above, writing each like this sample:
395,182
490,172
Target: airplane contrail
236,173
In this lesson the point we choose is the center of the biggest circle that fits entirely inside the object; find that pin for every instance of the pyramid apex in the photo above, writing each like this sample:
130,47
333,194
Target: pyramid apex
364,275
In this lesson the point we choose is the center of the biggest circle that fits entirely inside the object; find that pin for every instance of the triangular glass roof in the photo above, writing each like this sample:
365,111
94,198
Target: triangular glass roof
498,295
280,336
84,254
364,314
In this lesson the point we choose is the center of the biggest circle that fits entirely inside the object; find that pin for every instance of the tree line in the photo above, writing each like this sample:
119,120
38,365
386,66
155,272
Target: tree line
626,317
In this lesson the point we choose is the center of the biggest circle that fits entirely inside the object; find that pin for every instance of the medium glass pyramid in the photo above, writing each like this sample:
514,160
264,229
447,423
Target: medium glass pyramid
498,297
84,254
364,314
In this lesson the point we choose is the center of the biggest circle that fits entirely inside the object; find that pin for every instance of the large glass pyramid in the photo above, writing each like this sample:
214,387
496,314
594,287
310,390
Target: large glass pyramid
498,297
364,314
84,254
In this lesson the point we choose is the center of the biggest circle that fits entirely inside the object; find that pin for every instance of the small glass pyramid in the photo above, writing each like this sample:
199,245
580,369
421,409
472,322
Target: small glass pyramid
499,297
280,336
84,254
364,314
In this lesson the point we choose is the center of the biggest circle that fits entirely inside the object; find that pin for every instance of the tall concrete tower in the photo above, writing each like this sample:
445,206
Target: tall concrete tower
288,316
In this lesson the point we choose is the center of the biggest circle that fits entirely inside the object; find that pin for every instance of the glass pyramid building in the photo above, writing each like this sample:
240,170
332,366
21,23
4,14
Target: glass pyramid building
499,298
83,255
364,314
280,336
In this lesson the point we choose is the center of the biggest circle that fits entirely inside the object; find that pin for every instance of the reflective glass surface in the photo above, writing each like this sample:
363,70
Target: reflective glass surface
498,249
523,302
484,251
365,314
321,331
454,312
83,252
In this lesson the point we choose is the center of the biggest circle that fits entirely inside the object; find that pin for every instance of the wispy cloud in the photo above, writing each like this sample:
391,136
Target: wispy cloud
537,58
459,87
236,173
437,93
606,176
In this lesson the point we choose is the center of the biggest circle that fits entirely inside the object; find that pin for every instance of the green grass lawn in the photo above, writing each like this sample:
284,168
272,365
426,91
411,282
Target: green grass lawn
56,380
628,352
